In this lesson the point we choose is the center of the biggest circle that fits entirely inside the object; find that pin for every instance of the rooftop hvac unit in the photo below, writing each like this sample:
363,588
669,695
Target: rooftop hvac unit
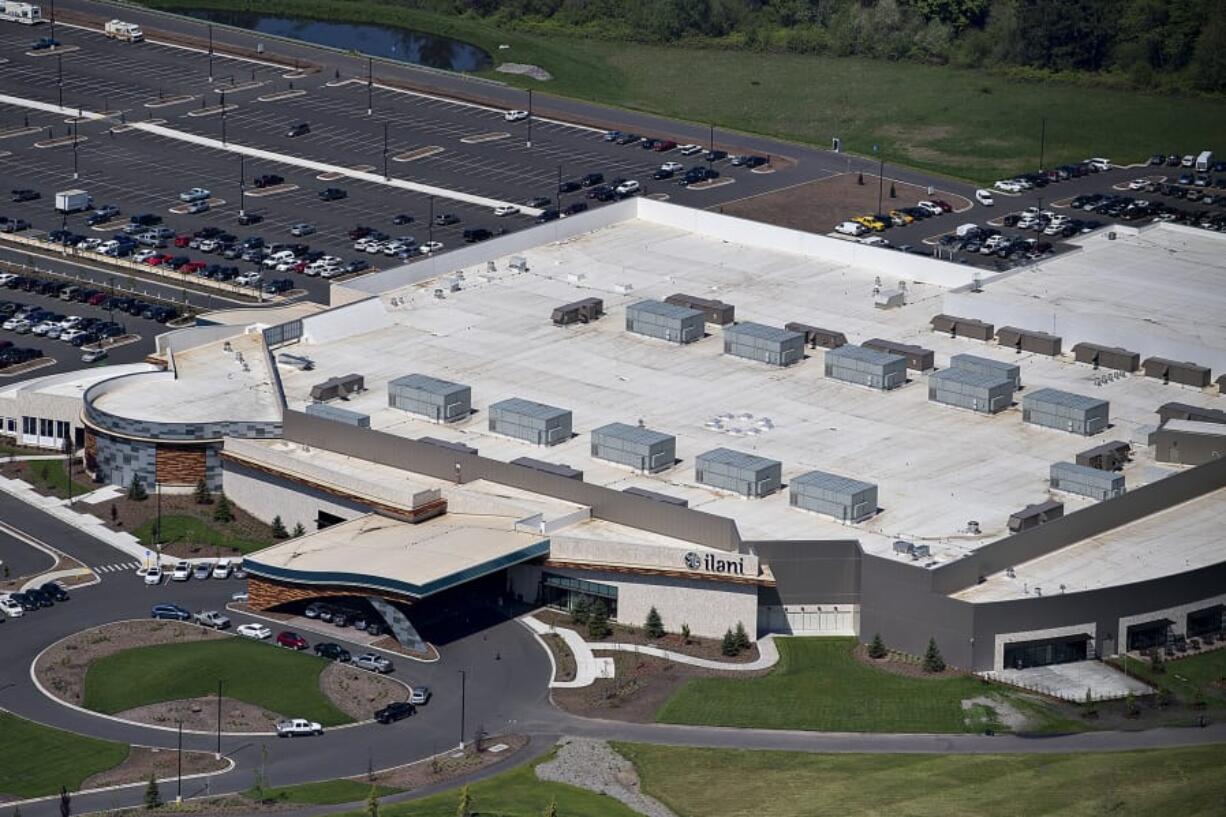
1183,411
519,263
963,327
297,361
1034,515
1029,340
448,444
556,469
890,298
918,358
583,311
716,312
1185,373
335,387
657,497
816,336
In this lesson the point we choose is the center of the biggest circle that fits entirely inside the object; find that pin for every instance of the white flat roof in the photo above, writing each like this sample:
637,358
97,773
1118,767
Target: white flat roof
72,384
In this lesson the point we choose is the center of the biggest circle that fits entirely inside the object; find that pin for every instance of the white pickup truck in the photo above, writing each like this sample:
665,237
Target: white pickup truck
212,618
298,726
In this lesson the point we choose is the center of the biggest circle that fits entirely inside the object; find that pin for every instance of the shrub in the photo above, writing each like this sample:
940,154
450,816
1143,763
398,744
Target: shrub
298,530
933,662
222,512
742,637
136,489
598,622
876,647
685,633
278,528
1157,662
202,493
1131,709
728,645
654,626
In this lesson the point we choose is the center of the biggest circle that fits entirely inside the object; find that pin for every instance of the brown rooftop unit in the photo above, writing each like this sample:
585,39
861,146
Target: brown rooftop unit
1034,515
335,387
1110,456
918,358
963,327
816,336
1183,411
1173,371
1107,357
584,311
1028,340
557,469
716,312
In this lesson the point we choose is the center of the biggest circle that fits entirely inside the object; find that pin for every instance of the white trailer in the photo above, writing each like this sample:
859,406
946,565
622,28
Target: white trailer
1204,162
119,30
73,201
24,13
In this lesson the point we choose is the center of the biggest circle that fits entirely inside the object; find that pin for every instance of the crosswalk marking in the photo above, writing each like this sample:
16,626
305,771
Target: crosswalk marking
116,567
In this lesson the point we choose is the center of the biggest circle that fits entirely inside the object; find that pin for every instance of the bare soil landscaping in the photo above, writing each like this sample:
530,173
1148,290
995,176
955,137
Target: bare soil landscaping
444,767
708,648
143,761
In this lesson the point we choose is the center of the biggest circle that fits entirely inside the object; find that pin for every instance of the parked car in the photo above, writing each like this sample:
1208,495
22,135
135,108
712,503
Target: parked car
170,611
212,618
395,711
182,572
294,727
11,608
55,591
332,651
256,631
195,194
984,197
373,662
420,696
300,129
292,641
515,116
332,194
153,575
506,210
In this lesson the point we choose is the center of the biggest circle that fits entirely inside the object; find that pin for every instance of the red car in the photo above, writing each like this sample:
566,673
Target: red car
96,300
155,260
182,240
191,267
665,146
292,640
944,205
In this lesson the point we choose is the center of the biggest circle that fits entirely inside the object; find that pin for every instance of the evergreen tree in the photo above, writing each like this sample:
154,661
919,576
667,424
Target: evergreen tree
1164,698
655,626
372,802
202,493
551,810
933,662
153,795
580,610
860,178
136,489
685,633
742,637
1157,662
278,528
598,622
465,807
893,192
728,645
222,512
1130,705
298,531
876,647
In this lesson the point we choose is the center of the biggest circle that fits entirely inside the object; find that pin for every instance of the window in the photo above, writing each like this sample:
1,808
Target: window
28,426
563,592
11,424
44,427
61,430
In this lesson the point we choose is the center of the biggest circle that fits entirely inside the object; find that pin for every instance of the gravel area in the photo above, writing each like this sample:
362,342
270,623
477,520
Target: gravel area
201,714
358,692
449,765
591,764
163,762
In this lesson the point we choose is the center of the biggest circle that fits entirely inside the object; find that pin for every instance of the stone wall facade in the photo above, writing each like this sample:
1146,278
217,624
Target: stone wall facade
180,464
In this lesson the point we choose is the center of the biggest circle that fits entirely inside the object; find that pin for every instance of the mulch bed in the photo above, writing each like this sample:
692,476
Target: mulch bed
358,692
563,658
142,761
130,514
708,648
442,768
904,665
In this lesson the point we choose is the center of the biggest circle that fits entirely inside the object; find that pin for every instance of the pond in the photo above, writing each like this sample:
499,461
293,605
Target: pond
389,42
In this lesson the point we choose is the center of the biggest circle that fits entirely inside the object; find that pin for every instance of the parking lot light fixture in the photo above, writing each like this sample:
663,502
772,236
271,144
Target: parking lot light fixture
385,174
179,792
528,143
370,86
59,78
430,223
219,683
210,53
463,679
242,186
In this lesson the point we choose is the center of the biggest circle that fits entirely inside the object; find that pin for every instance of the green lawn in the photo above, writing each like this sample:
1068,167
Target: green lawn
282,681
197,531
35,760
819,685
51,476
322,793
959,122
733,783
1185,677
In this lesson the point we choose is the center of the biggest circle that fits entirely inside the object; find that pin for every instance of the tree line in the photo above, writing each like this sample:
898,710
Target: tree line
1152,44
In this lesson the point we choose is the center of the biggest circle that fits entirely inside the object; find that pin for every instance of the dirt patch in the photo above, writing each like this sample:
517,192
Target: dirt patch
1007,714
61,669
640,686
442,768
563,658
358,692
201,714
906,665
143,761
129,514
818,206
230,804
708,648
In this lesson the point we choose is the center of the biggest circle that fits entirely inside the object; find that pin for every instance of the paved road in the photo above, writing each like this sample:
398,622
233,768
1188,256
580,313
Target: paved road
20,559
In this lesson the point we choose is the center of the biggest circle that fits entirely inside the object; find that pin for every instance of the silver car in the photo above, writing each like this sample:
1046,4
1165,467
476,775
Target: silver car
373,662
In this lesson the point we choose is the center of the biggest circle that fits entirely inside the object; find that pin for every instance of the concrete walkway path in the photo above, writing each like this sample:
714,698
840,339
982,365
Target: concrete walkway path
59,508
768,655
587,666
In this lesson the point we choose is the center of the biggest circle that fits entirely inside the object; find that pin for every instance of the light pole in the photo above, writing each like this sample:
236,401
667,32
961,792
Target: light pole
711,148
59,78
880,175
557,194
385,176
430,224
223,117
219,683
242,186
179,792
75,170
68,452
210,53
1042,142
370,86
463,678
529,142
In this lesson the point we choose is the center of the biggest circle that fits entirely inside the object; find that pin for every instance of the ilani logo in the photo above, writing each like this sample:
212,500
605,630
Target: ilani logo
712,563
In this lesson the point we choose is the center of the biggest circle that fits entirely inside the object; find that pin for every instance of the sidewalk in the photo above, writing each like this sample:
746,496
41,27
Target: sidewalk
92,525
587,666
768,656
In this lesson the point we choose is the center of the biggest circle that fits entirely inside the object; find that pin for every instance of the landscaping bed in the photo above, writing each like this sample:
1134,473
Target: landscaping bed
188,528
164,763
708,648
563,658
444,767
48,477
360,693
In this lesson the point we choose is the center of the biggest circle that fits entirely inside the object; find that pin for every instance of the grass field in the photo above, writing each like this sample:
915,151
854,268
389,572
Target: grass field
282,681
1186,677
35,760
323,793
819,685
963,123
50,477
197,531
732,783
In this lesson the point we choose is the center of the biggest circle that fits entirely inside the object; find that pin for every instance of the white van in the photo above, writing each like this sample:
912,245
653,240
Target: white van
984,197
221,570
851,228
966,229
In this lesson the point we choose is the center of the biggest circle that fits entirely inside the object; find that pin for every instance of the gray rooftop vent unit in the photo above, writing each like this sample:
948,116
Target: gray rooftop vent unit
848,500
745,474
986,365
1085,481
335,387
890,298
1221,383
640,448
984,392
918,358
584,311
532,422
439,400
518,263
902,547
1034,515
1184,411
716,312
1173,371
1028,340
448,444
963,327
1074,413
1110,456
549,468
920,551
1107,357
299,362
867,367
656,319
815,336
765,344
657,497
338,415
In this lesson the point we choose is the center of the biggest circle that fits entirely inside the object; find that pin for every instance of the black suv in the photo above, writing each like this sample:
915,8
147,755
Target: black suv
269,180
332,194
26,195
395,711
592,179
54,591
301,129
475,234
444,219
331,651
568,187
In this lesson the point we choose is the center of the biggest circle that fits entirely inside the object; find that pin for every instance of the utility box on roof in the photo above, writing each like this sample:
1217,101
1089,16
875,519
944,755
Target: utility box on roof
1183,411
745,474
918,358
678,324
335,387
1106,457
987,392
716,312
655,496
1107,357
532,422
986,365
765,344
1174,371
584,311
1086,481
440,400
963,327
1074,413
1034,515
867,367
848,500
338,415
1028,340
557,469
635,446
815,336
